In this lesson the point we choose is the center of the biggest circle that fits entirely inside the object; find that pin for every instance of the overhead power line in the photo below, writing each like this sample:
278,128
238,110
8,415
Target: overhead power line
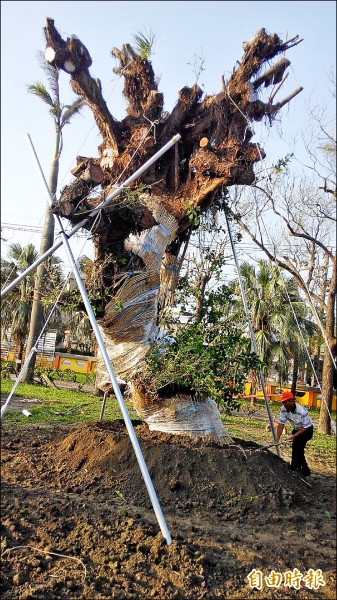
31,228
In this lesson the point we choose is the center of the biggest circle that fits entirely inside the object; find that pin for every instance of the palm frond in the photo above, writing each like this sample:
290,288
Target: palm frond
52,75
71,110
27,257
15,251
144,42
39,90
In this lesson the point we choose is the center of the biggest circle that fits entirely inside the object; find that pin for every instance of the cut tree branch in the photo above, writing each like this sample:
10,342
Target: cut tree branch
72,57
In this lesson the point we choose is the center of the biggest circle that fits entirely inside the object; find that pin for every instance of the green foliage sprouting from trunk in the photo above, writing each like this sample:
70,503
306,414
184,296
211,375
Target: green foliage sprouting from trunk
209,358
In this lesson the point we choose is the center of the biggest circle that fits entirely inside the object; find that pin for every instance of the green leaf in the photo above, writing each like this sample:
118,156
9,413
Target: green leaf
144,43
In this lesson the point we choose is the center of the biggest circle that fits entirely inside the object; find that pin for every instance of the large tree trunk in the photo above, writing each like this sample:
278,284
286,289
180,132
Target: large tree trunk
138,239
324,423
129,328
20,345
294,375
47,240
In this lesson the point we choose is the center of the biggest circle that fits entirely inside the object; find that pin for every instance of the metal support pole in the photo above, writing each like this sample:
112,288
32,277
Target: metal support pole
244,299
118,394
94,212
16,383
92,318
103,406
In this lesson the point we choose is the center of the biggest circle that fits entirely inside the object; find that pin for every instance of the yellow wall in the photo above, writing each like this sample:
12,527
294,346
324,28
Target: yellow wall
74,362
312,396
41,360
87,364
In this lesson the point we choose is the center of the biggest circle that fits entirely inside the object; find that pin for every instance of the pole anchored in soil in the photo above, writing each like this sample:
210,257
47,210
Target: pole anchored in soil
244,299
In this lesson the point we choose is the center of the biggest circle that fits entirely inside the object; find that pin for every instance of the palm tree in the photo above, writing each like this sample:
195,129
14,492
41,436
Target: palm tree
61,115
16,307
278,315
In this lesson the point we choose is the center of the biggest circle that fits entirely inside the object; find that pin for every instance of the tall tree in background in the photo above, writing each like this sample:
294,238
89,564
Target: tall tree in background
16,307
276,311
61,115
303,239
139,237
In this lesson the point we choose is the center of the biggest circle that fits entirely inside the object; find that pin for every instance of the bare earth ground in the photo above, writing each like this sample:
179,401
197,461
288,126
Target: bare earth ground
77,521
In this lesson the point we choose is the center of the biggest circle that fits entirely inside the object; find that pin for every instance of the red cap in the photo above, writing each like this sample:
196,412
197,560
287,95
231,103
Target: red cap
286,396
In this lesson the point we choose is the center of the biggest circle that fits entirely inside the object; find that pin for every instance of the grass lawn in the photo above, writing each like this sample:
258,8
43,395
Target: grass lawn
61,405
73,407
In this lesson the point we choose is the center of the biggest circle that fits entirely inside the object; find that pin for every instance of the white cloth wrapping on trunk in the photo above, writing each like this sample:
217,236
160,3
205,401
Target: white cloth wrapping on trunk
129,328
179,415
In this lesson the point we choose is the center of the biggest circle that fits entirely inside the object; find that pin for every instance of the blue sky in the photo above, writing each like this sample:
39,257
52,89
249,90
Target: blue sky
184,31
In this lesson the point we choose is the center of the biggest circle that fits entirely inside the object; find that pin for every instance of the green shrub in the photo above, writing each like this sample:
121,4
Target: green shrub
7,369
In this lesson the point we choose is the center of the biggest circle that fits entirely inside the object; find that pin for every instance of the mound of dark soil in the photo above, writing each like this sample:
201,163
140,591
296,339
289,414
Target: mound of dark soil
78,521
